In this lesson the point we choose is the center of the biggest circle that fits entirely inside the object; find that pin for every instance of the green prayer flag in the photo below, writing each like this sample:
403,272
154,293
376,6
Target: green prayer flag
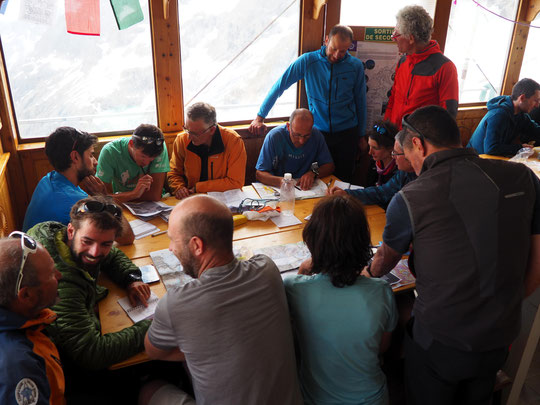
127,13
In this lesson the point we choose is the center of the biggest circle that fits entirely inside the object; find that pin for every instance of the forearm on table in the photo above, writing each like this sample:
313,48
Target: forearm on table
268,178
327,169
384,260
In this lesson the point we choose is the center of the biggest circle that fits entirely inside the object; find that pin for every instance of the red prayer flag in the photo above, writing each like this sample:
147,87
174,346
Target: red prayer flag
82,17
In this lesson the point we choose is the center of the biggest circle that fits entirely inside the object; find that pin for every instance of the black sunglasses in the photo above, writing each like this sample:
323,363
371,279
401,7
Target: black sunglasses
98,206
149,139
405,123
28,246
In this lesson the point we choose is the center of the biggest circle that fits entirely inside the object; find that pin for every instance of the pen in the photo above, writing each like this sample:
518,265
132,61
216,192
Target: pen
159,233
298,188
328,184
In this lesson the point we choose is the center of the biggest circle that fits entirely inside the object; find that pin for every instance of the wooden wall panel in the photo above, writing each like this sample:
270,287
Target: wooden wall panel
7,217
468,119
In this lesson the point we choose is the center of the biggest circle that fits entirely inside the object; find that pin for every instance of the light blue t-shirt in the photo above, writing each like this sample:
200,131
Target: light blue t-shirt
116,166
279,156
339,332
52,200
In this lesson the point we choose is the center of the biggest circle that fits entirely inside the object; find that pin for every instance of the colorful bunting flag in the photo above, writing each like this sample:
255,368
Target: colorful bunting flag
82,17
127,13
3,5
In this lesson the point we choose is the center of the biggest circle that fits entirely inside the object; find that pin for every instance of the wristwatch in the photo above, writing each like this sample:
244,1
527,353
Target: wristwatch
315,169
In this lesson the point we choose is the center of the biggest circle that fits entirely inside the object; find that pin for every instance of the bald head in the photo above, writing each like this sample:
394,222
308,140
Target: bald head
10,262
301,114
206,218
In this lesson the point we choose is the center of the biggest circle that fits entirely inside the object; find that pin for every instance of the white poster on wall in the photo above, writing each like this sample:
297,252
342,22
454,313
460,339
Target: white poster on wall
380,61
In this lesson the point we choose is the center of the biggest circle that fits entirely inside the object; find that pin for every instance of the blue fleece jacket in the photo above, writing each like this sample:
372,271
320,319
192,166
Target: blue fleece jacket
381,195
336,92
501,132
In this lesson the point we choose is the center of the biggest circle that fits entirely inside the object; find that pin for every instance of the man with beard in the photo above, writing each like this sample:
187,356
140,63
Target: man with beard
230,324
507,126
71,153
30,369
80,251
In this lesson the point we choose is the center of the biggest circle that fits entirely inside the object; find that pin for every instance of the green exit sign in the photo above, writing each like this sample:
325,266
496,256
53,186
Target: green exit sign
378,34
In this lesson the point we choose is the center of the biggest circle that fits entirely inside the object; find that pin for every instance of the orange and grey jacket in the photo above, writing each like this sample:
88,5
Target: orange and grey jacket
225,163
30,369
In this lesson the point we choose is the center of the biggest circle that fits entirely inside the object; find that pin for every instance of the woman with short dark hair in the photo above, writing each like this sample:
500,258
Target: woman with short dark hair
342,320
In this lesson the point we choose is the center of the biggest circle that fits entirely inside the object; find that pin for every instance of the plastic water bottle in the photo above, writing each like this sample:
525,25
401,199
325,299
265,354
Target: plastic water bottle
286,195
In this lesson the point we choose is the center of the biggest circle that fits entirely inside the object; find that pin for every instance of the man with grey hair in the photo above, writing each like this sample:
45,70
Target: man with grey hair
206,156
424,76
30,369
297,148
230,324
336,92
474,225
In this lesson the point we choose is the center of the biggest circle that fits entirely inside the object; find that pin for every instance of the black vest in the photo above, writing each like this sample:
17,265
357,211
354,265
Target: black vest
471,221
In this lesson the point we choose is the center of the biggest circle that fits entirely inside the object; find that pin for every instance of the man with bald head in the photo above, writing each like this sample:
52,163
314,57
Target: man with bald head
30,369
230,324
298,148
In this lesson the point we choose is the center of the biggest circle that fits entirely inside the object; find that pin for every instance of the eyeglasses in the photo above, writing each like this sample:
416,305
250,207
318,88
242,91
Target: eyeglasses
98,206
28,246
407,124
394,154
298,136
395,34
195,134
149,139
380,129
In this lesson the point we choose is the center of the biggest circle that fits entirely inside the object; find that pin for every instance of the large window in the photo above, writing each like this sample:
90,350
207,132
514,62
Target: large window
478,43
377,13
93,83
531,59
233,52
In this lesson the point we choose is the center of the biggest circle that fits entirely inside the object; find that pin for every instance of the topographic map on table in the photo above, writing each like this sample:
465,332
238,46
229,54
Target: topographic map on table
169,268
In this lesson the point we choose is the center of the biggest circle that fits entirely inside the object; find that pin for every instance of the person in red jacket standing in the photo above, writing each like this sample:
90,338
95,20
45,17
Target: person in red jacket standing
424,76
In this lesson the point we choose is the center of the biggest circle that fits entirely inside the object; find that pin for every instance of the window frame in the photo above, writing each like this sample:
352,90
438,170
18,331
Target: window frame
166,54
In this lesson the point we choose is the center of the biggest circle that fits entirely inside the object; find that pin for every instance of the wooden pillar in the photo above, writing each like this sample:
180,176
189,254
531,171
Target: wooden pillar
167,66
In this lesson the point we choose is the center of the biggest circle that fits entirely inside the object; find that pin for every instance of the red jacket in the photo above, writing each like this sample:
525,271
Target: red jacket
421,79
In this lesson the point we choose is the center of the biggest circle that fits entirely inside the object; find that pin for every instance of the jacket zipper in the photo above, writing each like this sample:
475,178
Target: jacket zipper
211,170
330,98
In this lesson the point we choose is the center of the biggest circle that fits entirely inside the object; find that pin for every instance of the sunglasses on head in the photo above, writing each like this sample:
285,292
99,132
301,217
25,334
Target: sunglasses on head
28,246
406,124
149,139
380,129
98,206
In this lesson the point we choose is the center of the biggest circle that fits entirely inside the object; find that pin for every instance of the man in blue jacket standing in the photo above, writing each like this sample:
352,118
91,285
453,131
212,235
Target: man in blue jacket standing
507,125
336,92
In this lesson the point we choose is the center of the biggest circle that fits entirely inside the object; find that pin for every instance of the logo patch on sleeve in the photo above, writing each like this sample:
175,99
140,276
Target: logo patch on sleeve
26,392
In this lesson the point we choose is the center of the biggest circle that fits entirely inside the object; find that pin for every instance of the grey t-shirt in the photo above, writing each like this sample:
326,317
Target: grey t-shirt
233,326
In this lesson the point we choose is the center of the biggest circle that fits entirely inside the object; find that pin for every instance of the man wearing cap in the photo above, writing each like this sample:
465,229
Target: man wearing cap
135,168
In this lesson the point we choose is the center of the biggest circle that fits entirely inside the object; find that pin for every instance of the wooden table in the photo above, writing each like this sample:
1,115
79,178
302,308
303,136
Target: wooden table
252,235
302,208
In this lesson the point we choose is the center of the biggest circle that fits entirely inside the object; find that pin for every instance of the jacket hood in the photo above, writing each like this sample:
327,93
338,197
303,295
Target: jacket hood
12,321
433,47
504,102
